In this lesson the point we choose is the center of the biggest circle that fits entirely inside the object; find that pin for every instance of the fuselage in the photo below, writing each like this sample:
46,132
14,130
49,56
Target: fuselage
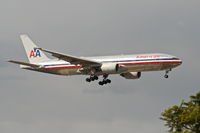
133,63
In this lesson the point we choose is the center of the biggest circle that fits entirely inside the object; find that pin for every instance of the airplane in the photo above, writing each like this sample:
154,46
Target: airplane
127,66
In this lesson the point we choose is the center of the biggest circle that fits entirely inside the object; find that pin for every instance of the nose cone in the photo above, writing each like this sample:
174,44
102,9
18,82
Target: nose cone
178,61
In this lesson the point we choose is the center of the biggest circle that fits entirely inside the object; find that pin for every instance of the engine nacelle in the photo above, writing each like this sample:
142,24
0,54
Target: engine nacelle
112,68
131,75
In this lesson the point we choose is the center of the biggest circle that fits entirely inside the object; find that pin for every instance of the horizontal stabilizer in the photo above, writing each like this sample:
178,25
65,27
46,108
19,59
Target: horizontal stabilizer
24,63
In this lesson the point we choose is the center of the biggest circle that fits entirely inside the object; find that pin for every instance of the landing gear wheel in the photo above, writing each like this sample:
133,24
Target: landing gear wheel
96,77
105,82
108,81
166,76
101,83
92,78
88,79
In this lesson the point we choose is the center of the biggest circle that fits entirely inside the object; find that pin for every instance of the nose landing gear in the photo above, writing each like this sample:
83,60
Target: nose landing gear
166,73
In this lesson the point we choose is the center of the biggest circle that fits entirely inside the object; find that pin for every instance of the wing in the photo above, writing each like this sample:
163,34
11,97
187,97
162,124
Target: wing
73,59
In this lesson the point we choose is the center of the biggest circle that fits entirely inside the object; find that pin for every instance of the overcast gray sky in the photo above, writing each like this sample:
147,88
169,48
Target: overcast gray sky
33,102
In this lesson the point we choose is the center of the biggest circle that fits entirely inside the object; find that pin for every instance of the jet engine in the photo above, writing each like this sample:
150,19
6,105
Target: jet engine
131,75
112,68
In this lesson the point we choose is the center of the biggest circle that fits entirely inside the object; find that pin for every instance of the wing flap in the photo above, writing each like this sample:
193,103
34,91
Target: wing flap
72,59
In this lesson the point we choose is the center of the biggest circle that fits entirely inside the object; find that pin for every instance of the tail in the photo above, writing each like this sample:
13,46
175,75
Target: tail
34,55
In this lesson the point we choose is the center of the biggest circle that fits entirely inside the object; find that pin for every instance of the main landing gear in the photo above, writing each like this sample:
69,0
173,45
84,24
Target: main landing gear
166,73
94,77
105,80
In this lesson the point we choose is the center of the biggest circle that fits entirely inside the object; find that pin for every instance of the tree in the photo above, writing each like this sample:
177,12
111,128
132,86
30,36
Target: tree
184,118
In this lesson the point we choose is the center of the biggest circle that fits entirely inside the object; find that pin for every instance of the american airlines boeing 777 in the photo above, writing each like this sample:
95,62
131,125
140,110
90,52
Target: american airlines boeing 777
127,66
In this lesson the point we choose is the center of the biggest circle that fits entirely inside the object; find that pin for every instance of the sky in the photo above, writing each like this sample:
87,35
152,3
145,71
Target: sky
43,103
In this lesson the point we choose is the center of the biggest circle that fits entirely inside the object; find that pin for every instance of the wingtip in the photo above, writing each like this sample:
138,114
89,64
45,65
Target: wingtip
10,61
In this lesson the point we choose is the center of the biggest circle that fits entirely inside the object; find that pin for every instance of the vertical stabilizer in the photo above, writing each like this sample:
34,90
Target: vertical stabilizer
34,55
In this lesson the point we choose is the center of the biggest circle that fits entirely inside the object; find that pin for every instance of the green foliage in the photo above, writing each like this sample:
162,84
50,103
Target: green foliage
184,118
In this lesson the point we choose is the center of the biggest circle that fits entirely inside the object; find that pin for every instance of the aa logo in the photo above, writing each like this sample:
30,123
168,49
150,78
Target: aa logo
35,53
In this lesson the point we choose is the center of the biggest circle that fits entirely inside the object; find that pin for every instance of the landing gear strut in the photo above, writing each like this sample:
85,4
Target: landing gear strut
92,78
166,73
105,80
